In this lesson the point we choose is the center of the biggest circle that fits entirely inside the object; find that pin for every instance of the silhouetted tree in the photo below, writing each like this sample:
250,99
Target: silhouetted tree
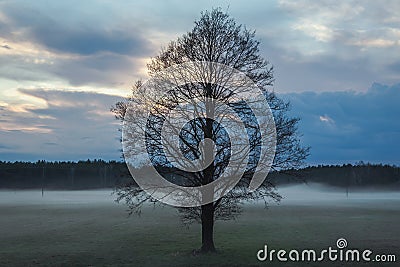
215,38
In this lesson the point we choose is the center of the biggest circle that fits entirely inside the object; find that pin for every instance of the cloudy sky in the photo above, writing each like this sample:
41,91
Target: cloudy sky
63,64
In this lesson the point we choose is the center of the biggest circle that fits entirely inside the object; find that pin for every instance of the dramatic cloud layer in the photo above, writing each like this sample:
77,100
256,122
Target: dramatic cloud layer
67,126
72,57
343,127
314,45
340,127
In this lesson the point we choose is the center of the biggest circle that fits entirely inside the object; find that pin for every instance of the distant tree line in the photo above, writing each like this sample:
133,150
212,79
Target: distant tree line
92,174
89,174
347,175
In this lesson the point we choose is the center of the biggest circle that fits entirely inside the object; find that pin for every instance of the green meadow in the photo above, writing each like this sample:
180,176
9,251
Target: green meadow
86,228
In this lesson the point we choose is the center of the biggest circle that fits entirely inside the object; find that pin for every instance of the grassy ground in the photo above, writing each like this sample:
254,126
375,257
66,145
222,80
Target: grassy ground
90,233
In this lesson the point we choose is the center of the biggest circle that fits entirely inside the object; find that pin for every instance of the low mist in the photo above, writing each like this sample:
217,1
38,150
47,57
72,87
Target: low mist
299,194
319,194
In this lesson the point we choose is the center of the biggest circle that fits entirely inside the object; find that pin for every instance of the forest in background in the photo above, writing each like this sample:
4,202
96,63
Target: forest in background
95,174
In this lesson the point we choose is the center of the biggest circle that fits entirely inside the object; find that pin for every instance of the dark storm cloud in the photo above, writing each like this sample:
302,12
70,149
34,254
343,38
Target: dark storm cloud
104,69
349,126
88,41
83,39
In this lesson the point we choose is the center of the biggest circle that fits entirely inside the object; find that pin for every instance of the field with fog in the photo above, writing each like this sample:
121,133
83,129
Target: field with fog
86,228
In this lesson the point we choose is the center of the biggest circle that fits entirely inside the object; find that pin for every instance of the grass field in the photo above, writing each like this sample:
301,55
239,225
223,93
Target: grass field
88,229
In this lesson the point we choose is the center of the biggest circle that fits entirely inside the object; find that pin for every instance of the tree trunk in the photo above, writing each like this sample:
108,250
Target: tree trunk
207,211
207,228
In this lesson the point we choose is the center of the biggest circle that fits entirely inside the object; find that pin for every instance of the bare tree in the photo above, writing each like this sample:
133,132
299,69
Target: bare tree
216,40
